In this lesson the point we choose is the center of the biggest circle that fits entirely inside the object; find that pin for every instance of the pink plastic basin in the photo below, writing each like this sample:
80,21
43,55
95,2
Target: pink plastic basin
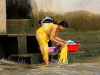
51,49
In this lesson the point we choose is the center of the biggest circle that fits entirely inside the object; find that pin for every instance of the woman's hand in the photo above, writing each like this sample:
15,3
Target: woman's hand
64,41
61,43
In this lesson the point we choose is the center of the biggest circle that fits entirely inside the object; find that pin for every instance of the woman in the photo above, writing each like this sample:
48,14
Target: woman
48,31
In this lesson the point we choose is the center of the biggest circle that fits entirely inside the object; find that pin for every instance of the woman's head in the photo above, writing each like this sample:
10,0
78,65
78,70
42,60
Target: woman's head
62,25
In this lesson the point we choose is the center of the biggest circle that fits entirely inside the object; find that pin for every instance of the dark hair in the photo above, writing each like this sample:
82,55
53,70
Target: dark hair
62,23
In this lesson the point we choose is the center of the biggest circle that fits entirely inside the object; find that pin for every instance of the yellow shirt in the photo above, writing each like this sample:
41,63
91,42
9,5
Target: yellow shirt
45,30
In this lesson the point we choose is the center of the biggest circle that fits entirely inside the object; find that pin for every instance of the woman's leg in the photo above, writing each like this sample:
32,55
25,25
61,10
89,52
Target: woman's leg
46,61
44,48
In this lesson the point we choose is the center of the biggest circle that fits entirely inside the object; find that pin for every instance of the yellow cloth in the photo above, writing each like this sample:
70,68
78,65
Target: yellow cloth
42,36
63,55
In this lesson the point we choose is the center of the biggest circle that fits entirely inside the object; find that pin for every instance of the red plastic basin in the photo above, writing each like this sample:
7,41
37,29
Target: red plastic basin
71,47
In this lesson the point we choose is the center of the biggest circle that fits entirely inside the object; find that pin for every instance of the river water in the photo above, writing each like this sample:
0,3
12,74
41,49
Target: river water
90,66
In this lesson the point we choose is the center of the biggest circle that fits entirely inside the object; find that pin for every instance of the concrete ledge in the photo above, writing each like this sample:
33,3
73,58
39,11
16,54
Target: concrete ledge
11,35
79,52
35,58
24,55
20,26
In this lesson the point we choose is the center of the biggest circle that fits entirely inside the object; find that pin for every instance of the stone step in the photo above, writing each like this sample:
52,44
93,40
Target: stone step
26,58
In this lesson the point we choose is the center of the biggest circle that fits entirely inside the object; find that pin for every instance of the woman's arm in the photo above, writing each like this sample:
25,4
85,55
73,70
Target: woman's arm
53,33
59,39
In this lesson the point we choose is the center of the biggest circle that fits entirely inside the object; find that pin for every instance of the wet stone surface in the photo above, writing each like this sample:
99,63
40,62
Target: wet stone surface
52,69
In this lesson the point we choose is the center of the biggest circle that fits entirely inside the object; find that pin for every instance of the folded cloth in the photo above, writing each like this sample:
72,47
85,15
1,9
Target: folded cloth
70,42
63,55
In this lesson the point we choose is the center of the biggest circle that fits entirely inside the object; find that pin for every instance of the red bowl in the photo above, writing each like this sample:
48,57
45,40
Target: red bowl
71,47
